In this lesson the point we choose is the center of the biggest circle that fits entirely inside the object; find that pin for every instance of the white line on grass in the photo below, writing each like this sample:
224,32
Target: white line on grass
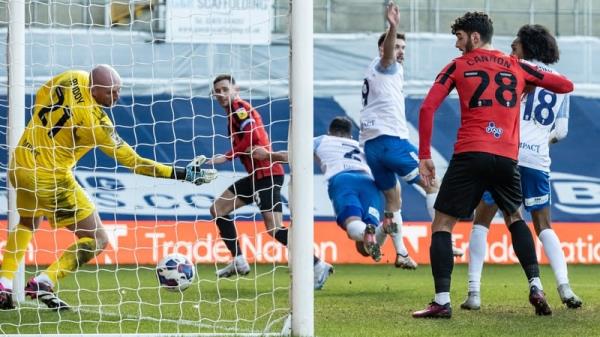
241,332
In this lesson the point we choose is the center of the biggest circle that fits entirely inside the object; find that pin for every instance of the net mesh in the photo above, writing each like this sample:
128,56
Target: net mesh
166,113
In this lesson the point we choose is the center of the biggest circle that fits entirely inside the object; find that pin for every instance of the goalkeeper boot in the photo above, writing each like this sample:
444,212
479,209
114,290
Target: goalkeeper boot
537,298
6,301
568,297
457,252
370,243
322,272
434,310
472,302
405,262
239,266
44,293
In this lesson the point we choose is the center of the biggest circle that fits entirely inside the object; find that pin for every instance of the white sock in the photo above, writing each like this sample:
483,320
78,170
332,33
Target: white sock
477,245
536,282
7,283
442,298
380,236
397,237
429,202
356,230
42,277
555,254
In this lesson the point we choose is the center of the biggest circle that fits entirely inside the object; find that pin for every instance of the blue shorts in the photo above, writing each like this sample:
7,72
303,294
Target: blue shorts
389,156
536,188
353,193
535,185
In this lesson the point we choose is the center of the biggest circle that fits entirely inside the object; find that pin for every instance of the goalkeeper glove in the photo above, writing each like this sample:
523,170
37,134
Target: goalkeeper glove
197,175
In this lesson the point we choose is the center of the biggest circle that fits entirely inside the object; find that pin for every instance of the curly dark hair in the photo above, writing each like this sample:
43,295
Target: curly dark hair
399,36
473,22
538,44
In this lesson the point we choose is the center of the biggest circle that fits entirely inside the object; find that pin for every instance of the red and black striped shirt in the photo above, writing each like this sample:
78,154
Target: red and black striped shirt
246,130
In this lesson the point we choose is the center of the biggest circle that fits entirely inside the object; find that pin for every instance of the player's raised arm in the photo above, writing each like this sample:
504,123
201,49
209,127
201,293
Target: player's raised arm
554,82
389,43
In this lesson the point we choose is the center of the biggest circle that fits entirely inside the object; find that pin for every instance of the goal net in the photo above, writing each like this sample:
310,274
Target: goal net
167,54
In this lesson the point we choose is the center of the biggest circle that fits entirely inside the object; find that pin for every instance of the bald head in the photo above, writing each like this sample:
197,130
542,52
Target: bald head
105,85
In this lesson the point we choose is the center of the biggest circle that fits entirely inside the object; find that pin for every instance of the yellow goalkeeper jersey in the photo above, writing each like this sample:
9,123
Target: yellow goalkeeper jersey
67,123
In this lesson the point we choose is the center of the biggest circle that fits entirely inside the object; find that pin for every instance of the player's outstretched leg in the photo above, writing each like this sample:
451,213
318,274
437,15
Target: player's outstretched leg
16,245
392,225
41,286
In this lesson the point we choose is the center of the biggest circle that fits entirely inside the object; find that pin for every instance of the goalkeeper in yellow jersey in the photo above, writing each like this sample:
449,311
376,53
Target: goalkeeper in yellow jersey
68,121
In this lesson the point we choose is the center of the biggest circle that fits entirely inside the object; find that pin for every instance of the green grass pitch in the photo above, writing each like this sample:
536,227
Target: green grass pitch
356,301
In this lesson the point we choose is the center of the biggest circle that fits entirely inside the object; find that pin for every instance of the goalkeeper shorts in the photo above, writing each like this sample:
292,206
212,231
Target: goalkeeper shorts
57,196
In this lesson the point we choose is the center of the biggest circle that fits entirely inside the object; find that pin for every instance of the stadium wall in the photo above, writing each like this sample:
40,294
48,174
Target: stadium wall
145,215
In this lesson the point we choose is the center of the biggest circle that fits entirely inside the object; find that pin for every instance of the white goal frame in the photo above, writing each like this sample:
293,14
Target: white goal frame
301,159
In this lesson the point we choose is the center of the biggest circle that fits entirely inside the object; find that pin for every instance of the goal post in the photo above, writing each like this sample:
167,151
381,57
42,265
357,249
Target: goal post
15,50
167,114
301,161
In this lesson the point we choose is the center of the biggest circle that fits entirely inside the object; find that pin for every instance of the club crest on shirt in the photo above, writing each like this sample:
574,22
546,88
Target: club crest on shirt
492,129
241,113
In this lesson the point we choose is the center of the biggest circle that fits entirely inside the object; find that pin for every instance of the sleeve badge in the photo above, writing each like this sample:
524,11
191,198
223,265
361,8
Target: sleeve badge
241,113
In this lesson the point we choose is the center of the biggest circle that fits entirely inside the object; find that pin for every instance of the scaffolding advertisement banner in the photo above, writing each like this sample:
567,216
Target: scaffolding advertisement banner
220,22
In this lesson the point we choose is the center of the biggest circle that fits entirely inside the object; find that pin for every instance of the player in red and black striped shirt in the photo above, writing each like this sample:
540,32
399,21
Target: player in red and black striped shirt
262,185
264,180
489,85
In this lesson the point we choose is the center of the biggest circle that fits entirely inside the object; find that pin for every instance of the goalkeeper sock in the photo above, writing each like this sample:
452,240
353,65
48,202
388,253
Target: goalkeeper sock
524,248
16,245
281,235
76,255
229,235
477,245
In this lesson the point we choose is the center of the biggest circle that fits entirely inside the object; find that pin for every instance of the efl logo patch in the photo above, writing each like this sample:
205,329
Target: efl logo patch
241,113
491,128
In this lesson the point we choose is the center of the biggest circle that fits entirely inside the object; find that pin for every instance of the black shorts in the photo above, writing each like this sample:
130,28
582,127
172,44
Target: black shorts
266,192
470,174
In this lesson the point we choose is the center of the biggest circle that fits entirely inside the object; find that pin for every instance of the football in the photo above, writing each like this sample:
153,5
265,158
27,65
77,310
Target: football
175,272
